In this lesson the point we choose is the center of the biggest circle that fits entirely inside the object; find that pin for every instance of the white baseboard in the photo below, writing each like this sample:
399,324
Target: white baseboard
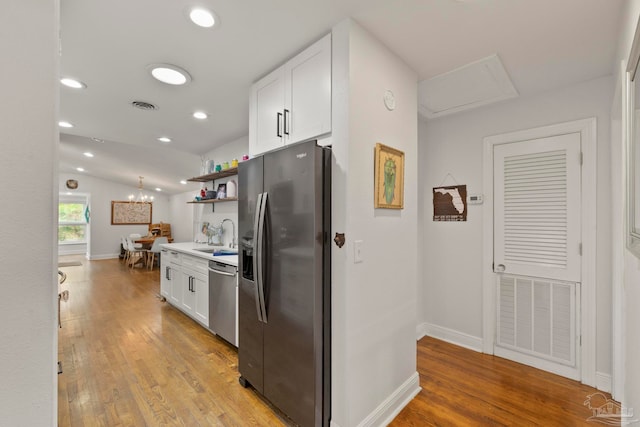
449,335
62,252
603,382
103,256
391,407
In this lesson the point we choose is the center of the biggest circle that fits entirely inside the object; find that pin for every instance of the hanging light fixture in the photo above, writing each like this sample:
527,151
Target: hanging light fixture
141,197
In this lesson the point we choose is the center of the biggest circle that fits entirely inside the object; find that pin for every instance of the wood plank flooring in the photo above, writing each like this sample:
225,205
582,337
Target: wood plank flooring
131,360
462,387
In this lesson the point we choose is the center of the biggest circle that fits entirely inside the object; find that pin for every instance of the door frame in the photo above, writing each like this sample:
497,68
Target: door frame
587,316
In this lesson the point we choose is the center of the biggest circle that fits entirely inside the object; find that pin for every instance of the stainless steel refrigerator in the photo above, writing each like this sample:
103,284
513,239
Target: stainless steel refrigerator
284,290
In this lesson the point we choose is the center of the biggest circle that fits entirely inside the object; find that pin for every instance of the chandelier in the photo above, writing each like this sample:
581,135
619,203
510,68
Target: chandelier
141,197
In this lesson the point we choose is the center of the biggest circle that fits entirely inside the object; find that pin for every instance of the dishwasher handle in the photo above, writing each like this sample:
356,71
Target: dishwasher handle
223,273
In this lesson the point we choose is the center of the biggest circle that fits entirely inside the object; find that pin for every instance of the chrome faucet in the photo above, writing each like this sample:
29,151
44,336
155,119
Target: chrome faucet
233,236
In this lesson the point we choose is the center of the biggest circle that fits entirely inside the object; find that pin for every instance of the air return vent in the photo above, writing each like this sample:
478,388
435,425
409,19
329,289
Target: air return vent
144,105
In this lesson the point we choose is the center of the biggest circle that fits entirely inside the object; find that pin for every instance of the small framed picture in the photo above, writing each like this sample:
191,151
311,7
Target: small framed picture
222,191
389,178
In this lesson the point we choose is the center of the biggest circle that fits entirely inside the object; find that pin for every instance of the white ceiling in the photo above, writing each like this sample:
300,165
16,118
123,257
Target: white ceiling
543,44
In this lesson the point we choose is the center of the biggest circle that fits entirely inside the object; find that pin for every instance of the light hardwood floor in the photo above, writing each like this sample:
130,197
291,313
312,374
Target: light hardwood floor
131,360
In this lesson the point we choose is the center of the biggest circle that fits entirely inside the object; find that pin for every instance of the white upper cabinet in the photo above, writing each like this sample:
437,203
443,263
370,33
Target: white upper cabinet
292,103
267,110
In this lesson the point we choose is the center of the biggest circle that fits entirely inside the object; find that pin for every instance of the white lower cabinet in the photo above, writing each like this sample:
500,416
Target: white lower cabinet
188,285
170,263
200,284
165,274
184,282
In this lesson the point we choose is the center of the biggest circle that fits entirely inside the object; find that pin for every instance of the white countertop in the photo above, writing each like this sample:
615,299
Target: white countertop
190,248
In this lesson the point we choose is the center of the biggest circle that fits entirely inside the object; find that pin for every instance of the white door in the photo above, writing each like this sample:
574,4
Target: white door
537,207
537,251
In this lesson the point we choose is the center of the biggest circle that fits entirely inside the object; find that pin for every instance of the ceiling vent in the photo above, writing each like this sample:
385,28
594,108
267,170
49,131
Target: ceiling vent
473,85
144,105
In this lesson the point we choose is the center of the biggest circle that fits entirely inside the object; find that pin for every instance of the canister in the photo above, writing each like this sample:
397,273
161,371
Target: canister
232,189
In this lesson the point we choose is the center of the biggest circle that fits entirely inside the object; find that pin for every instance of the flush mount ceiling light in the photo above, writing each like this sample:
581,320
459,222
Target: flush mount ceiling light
88,154
72,83
200,115
202,17
169,74
164,139
64,124
80,169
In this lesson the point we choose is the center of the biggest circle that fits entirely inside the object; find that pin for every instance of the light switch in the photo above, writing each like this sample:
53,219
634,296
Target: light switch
357,251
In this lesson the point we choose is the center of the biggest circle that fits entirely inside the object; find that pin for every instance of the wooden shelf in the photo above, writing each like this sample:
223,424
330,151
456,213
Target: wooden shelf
228,199
213,176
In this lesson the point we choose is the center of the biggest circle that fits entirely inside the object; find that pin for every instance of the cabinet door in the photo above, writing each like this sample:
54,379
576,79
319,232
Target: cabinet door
266,109
175,280
165,275
308,93
201,307
188,294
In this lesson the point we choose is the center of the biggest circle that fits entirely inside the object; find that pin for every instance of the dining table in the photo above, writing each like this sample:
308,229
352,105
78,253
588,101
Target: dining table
147,241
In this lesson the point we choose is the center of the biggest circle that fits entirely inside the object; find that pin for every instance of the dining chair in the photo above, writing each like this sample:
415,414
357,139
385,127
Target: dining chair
155,250
125,247
133,251
133,237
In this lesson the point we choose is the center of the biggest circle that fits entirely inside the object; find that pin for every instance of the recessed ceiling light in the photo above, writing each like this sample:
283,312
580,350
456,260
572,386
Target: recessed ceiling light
88,154
80,169
158,189
73,83
200,115
164,139
202,17
183,182
169,74
64,124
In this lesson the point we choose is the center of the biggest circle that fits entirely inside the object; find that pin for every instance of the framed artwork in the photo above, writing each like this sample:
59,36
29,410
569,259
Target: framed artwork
127,213
389,177
222,191
450,203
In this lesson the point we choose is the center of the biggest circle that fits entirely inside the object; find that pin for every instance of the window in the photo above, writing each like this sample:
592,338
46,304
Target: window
72,224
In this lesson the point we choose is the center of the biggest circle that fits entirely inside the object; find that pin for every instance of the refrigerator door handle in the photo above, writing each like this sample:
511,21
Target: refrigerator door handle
260,244
256,255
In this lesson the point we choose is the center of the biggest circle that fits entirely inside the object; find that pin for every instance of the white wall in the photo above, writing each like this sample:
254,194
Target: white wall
28,168
188,217
452,255
630,274
373,302
104,238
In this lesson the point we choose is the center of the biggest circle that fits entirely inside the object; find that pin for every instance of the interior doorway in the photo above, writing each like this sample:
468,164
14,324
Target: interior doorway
539,248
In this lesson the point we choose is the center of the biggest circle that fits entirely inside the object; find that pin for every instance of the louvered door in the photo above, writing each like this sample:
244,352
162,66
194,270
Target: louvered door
537,208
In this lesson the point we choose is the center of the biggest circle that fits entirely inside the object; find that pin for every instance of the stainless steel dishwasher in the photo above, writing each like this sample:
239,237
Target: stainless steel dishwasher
222,300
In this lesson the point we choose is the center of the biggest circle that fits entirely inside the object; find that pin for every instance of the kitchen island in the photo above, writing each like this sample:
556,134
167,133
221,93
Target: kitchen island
201,281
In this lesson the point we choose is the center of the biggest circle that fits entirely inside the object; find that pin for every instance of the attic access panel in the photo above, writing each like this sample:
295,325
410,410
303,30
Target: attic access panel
473,85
